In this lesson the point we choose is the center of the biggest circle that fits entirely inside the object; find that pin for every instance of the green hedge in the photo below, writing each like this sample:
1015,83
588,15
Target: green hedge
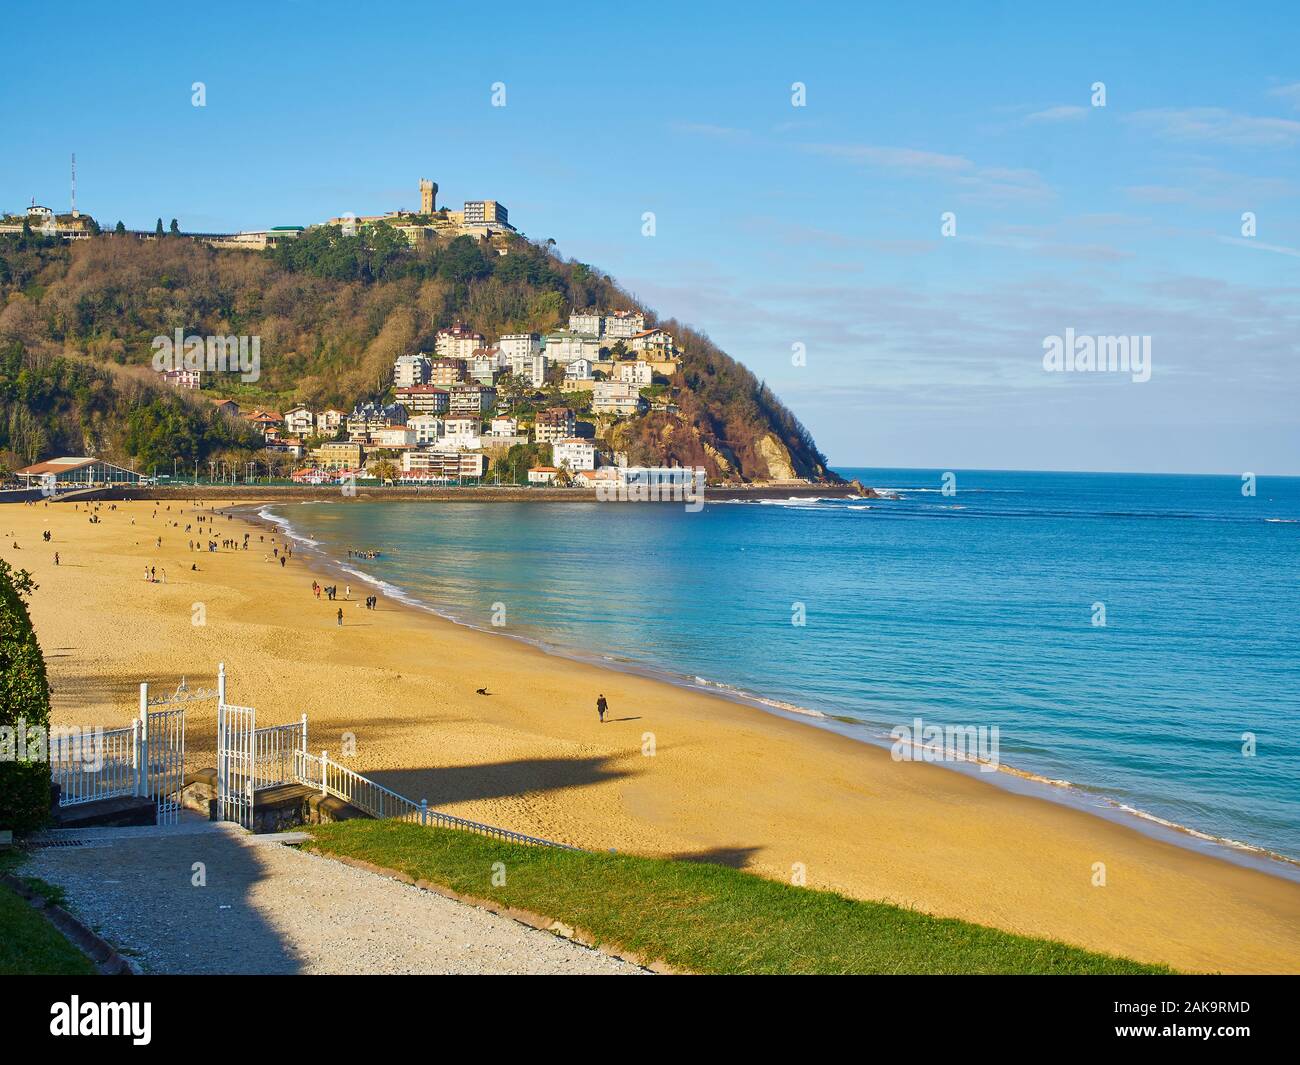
24,696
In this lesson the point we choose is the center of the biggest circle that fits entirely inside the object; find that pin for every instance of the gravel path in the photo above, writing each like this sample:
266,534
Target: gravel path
268,908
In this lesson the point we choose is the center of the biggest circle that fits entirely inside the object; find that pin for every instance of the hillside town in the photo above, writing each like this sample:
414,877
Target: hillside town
471,400
452,412
551,407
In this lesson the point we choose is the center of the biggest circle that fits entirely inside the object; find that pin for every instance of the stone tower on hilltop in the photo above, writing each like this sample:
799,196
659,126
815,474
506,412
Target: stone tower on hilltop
428,196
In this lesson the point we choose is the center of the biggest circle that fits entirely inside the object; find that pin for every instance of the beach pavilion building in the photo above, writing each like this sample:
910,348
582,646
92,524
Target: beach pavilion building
74,472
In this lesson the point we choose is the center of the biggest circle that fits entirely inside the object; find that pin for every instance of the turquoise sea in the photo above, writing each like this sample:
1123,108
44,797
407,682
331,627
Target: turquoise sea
976,608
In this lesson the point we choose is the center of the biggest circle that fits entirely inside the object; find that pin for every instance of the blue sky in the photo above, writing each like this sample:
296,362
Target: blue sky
775,225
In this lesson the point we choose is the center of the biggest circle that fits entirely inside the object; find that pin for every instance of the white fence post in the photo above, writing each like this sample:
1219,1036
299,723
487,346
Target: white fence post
221,755
221,684
143,775
324,759
304,733
424,811
135,756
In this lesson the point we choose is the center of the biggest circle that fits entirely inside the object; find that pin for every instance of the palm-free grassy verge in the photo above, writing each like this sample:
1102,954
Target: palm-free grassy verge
30,945
705,918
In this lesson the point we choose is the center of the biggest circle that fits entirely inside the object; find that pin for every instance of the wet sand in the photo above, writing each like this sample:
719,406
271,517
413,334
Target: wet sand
672,772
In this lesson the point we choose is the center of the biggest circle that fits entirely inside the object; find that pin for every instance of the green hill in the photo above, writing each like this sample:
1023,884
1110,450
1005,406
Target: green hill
332,312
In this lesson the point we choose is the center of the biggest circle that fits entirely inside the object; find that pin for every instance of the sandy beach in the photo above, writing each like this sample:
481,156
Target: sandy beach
724,782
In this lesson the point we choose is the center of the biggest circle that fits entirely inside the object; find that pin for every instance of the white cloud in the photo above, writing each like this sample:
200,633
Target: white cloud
981,184
1217,125
1289,93
716,132
910,160
1247,242
1063,113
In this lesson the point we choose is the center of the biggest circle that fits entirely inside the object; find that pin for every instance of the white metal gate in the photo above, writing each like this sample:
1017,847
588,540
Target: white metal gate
162,761
236,763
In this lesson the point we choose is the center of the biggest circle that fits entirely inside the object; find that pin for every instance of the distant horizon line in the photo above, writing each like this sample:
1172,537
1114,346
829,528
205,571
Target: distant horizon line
836,466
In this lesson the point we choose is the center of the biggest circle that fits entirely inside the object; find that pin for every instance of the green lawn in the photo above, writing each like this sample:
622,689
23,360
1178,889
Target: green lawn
706,918
31,946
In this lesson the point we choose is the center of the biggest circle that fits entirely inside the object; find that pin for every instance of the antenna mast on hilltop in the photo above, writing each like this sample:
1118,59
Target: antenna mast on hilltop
74,185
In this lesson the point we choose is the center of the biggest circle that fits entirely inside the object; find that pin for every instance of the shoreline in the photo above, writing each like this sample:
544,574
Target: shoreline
1020,781
716,783
479,493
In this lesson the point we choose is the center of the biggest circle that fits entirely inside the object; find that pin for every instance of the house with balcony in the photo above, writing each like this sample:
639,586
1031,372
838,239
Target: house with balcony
329,422
458,342
575,453
428,428
554,423
472,400
299,421
411,370
634,373
424,399
653,344
446,372
564,346
617,397
622,325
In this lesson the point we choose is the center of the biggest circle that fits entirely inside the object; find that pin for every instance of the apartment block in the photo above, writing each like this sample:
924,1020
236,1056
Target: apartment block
554,423
424,399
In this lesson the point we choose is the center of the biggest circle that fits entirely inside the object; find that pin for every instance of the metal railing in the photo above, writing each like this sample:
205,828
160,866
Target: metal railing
385,804
93,764
146,760
274,748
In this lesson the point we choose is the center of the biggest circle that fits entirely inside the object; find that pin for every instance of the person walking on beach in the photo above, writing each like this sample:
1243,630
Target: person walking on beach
601,707
340,615
56,558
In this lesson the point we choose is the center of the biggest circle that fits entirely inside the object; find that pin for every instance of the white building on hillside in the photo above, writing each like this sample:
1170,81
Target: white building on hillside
616,397
411,370
472,400
394,436
575,453
533,370
458,342
428,428
654,342
461,434
486,364
620,325
329,422
586,322
424,399
299,421
564,346
519,345
579,370
634,373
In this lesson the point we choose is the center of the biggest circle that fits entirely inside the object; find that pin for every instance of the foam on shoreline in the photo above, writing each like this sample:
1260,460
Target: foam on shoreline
1053,789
